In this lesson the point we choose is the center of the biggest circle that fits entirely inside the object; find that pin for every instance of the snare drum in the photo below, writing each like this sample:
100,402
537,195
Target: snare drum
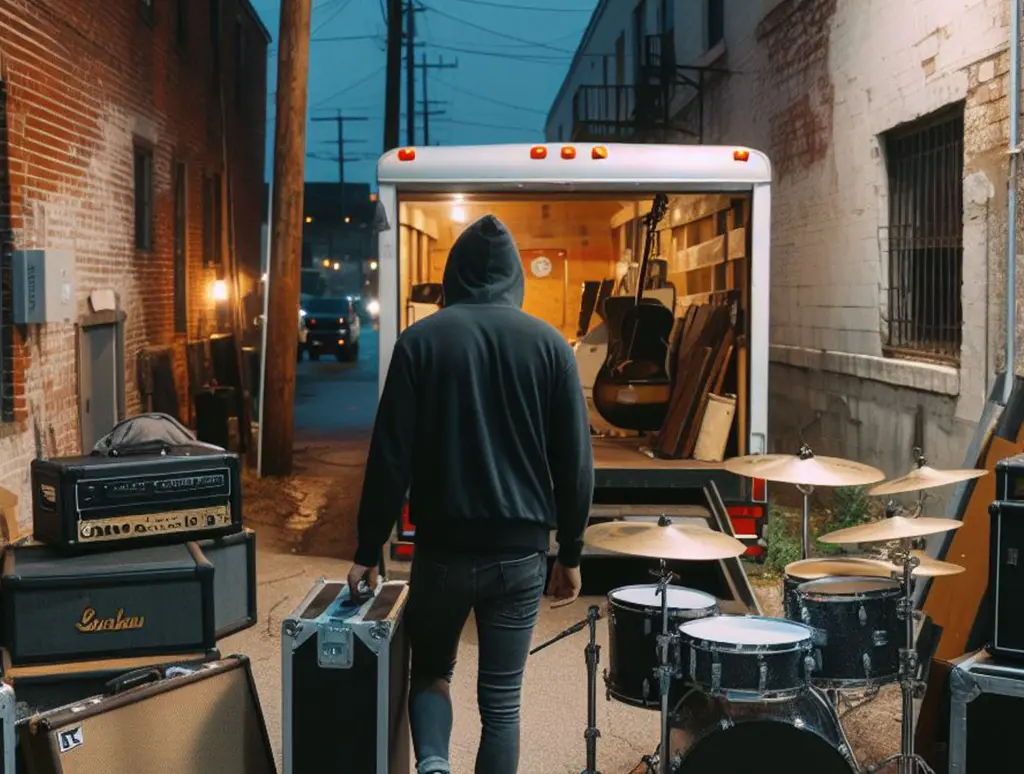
829,567
748,657
634,623
859,629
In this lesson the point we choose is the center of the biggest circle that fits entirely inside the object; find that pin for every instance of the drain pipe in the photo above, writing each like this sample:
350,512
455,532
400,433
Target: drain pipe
1011,217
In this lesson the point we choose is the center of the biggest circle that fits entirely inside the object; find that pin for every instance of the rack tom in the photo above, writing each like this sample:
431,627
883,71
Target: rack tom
634,623
858,625
829,567
748,658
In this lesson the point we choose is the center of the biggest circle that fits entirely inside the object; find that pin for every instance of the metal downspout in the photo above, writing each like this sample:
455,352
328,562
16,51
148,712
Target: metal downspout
1011,216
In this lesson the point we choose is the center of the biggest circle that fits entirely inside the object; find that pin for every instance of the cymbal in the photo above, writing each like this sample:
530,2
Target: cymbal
806,471
925,477
857,566
933,568
894,528
674,541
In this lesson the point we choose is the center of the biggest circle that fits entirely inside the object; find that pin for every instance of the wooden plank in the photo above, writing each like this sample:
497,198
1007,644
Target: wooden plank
743,387
953,601
720,381
700,256
715,374
670,437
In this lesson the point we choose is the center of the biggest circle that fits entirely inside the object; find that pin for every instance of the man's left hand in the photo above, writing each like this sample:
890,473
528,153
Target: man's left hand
360,573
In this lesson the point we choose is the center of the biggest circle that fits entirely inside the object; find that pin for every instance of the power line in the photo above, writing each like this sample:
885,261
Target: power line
495,32
525,7
345,4
348,88
461,122
535,58
485,98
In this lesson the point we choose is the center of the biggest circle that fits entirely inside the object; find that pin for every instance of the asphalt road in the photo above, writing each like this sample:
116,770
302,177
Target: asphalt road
337,401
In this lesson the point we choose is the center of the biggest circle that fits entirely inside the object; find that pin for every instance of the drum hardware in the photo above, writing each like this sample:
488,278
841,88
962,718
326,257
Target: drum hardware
665,669
806,471
593,655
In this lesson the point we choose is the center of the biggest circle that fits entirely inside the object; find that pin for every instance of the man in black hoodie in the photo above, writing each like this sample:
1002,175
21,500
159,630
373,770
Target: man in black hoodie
483,421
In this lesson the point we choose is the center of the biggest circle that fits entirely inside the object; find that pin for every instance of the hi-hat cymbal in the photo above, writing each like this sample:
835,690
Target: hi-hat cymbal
895,528
933,568
649,539
925,477
806,470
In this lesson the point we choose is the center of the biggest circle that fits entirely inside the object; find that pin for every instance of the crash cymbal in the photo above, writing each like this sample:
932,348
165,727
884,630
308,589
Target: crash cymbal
804,469
857,566
650,539
895,528
933,568
925,477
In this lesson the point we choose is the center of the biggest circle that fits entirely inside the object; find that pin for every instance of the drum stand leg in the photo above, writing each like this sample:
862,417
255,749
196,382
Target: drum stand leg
805,522
665,670
908,761
593,651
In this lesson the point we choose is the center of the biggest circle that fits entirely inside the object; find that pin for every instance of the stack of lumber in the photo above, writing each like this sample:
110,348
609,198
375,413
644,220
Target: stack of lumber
702,349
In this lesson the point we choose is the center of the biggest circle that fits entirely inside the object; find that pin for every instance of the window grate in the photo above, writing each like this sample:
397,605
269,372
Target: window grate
925,162
180,251
143,198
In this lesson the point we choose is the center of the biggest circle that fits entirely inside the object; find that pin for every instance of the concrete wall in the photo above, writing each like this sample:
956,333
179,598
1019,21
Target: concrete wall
85,81
816,83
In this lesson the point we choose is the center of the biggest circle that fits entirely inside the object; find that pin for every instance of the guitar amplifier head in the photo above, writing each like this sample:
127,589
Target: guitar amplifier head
1010,478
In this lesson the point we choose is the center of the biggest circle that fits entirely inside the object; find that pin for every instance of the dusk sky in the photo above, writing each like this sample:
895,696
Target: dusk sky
512,57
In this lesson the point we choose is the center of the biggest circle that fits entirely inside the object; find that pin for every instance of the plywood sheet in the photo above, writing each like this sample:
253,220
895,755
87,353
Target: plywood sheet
953,601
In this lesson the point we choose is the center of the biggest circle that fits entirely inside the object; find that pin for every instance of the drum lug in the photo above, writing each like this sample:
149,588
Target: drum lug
805,614
880,638
810,666
866,661
762,674
716,675
862,615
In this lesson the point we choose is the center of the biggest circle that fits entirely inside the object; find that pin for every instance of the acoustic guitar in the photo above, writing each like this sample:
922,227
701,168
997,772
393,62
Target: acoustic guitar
633,387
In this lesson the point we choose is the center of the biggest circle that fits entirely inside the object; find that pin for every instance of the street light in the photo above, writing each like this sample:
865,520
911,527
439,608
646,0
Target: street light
373,266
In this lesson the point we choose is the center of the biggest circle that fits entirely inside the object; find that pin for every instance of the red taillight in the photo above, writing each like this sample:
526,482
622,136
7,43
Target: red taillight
538,152
402,551
405,528
599,152
744,527
406,154
741,154
759,490
568,152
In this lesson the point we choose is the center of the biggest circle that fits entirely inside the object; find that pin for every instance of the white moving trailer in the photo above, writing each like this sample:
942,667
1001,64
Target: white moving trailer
577,212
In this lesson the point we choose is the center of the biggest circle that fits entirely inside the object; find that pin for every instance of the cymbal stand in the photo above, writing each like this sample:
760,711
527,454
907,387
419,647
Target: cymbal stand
593,653
908,762
665,670
806,490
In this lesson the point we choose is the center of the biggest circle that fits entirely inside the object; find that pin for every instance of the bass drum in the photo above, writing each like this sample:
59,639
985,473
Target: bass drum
801,735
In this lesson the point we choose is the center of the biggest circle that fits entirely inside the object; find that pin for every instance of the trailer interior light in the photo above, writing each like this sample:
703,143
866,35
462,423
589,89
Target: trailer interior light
740,154
568,152
599,152
406,154
538,152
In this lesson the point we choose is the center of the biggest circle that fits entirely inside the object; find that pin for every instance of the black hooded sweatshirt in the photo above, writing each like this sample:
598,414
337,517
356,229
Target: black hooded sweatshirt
482,419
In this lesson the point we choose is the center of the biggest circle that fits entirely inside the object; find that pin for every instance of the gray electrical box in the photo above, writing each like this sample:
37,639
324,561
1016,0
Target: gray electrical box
44,286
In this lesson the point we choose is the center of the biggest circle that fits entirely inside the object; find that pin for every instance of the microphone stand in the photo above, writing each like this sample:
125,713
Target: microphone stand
593,654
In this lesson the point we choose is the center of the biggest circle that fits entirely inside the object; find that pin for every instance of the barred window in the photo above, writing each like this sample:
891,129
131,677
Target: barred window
6,297
925,162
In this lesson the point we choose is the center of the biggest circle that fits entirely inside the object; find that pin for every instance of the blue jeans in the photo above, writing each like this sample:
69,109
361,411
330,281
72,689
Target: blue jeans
505,596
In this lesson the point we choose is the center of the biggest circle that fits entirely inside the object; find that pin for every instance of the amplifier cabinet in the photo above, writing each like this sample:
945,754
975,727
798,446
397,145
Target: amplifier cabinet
1010,478
234,581
986,702
95,501
345,679
135,602
205,720
1006,578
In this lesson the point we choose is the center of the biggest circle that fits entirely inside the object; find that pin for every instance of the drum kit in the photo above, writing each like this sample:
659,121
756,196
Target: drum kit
734,690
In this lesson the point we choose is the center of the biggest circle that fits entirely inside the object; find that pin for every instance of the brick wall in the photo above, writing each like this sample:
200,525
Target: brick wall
85,81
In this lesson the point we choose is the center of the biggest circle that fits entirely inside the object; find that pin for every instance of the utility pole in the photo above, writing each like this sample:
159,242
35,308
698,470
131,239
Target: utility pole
284,280
410,72
340,120
425,66
426,110
393,89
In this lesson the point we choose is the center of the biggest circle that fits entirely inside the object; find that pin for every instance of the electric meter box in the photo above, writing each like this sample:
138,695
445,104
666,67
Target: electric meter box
44,286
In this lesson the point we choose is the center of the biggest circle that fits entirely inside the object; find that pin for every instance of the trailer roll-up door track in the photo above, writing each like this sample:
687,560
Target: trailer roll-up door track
584,217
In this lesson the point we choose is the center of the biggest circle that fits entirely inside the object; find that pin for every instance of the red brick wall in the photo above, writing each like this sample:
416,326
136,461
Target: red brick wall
84,81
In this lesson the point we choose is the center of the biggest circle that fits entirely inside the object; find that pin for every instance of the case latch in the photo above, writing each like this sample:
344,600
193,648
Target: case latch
334,646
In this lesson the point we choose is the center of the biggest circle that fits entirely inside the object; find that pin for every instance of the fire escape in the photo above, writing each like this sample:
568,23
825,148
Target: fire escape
643,111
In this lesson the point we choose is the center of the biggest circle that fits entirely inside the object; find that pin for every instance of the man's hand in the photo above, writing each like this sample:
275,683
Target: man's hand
565,584
359,573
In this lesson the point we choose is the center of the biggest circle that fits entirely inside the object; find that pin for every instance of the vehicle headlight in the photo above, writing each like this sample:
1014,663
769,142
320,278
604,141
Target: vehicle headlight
302,313
373,307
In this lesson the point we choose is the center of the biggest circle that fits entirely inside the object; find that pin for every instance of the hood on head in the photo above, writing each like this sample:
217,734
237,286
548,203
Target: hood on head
484,266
